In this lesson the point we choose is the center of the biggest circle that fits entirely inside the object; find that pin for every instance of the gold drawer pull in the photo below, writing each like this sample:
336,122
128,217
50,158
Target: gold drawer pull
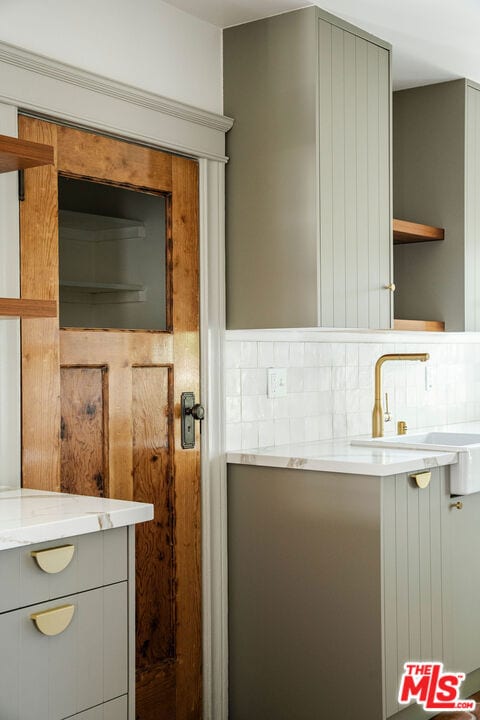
422,479
54,560
54,621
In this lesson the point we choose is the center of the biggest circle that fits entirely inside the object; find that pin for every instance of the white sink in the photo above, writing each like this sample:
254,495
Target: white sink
464,475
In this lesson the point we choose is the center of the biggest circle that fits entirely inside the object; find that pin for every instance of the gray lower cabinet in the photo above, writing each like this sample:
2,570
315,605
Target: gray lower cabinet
67,655
336,580
308,213
436,180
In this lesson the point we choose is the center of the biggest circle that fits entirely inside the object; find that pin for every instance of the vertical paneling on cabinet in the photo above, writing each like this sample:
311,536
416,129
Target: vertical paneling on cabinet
308,180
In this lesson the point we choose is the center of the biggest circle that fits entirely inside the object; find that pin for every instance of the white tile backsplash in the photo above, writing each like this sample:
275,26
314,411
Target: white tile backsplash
330,389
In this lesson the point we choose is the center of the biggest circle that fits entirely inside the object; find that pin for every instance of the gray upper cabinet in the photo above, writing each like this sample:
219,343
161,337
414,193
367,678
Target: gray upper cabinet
436,180
308,181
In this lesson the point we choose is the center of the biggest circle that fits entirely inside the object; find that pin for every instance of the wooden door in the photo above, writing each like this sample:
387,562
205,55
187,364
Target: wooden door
101,408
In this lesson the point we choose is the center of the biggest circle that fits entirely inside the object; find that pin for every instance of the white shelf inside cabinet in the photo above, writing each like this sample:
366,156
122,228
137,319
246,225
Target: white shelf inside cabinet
86,227
98,293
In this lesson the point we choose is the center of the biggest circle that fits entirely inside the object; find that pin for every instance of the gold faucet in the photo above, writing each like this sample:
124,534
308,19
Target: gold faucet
377,416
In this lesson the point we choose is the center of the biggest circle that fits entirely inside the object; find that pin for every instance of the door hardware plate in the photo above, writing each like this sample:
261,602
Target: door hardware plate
188,421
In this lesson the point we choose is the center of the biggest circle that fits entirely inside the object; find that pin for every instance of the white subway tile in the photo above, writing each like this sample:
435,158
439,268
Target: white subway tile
296,405
232,382
265,354
254,382
249,435
312,429
325,354
233,410
339,426
339,378
351,377
233,436
365,377
233,354
295,379
297,430
281,431
311,379
368,353
265,408
296,354
250,408
280,354
248,353
353,401
339,351
339,401
325,423
312,355
325,401
352,354
266,434
281,407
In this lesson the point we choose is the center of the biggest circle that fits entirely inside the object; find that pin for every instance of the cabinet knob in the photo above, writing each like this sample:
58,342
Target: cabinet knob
390,286
458,505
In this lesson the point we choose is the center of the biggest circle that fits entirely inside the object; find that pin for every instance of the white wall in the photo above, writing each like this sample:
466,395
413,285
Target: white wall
144,43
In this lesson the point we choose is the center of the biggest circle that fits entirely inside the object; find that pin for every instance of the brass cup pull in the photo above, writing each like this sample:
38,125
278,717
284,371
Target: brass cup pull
54,560
54,621
422,479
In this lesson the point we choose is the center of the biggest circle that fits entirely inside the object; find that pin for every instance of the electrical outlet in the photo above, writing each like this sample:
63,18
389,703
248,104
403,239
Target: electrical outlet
277,382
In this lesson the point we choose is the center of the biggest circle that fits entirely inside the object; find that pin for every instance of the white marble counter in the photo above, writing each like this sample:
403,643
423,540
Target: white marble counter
342,457
32,516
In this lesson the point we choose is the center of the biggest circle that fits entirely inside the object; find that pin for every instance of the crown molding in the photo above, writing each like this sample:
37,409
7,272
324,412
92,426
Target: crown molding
36,83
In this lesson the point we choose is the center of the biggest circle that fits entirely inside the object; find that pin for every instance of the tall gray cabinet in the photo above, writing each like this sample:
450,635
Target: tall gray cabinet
308,180
436,180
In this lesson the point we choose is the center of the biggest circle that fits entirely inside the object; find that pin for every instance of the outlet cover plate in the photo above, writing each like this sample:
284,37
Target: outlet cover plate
277,382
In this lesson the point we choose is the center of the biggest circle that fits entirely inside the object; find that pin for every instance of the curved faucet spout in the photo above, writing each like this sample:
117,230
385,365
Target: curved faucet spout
377,415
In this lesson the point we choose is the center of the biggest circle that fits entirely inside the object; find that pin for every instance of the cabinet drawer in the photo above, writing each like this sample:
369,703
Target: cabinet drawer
51,678
114,710
98,559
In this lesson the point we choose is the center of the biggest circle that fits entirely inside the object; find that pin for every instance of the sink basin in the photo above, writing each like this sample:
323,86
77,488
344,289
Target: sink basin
464,475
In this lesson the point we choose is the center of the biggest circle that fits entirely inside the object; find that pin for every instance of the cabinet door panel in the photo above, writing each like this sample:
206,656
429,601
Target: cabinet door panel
354,173
55,677
464,533
414,579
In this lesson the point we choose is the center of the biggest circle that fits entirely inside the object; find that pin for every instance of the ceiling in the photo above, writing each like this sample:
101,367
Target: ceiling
433,40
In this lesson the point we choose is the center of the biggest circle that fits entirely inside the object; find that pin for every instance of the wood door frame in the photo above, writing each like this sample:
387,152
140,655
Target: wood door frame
44,87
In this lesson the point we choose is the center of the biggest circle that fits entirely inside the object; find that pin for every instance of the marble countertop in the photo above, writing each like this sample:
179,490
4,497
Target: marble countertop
342,457
32,516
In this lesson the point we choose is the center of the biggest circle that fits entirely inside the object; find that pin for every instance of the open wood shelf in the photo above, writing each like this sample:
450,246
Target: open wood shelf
18,154
409,232
425,325
25,308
